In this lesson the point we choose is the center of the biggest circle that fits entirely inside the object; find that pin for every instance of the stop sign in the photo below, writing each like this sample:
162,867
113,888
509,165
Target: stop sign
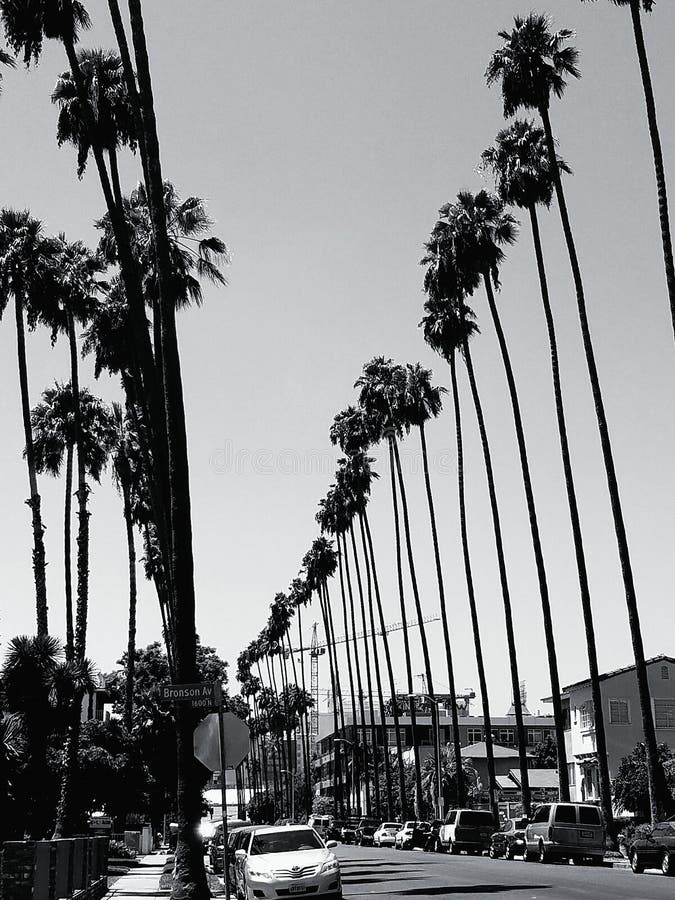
206,741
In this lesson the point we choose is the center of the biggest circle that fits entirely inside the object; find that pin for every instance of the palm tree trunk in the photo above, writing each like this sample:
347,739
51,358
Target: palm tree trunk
356,775
359,685
190,877
339,701
115,178
506,597
82,494
549,636
392,685
372,744
468,574
456,741
659,797
584,588
338,795
67,566
39,563
406,641
131,644
63,827
382,731
659,170
306,747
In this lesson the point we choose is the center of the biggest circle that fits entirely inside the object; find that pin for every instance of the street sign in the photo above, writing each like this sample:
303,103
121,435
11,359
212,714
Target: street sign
197,696
207,741
101,823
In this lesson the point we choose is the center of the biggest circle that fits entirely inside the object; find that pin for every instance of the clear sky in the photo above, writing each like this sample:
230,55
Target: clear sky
325,136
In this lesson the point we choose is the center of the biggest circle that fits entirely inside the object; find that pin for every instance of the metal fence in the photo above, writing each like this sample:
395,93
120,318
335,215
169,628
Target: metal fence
67,869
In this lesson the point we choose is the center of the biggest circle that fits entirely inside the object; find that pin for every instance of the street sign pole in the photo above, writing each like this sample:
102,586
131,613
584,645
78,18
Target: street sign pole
223,793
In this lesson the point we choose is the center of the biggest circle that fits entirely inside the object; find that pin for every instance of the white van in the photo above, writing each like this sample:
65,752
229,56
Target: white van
320,824
466,829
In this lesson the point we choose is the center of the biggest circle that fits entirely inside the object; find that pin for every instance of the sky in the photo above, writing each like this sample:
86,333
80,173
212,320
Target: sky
324,137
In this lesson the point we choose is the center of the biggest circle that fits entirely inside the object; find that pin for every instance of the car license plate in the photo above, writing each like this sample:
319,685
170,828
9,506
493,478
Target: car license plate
296,889
586,834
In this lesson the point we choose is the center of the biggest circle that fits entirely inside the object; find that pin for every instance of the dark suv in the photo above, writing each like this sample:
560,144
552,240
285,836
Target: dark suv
349,831
365,831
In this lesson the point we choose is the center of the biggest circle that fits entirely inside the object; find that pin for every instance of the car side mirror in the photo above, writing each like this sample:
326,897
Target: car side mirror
331,844
240,854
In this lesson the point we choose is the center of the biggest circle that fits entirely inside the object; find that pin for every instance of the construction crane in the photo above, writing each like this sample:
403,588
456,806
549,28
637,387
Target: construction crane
317,649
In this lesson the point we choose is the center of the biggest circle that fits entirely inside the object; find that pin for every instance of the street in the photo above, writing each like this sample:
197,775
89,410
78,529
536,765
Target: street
371,871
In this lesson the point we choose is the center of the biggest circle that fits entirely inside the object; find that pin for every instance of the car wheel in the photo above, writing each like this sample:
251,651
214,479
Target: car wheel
453,848
635,863
510,852
492,853
543,855
667,864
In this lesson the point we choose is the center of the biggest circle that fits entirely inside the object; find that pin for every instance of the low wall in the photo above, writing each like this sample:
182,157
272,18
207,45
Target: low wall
66,869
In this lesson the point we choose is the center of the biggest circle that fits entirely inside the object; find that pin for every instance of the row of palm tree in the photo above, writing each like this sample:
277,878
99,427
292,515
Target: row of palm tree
464,252
106,104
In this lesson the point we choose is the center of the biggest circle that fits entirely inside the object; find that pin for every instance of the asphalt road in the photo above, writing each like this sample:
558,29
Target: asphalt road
371,872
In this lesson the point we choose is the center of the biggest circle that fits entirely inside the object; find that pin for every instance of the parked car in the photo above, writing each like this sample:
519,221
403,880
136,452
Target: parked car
215,849
509,841
566,831
412,834
432,841
348,831
467,829
284,861
655,850
385,835
320,824
365,832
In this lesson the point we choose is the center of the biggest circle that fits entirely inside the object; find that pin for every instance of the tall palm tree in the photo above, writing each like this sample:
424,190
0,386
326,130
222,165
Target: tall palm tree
351,432
124,462
452,280
480,226
521,166
533,63
53,429
636,8
381,397
423,402
108,101
300,596
23,265
333,518
448,325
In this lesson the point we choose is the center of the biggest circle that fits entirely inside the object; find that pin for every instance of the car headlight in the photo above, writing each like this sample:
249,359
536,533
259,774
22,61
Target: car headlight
259,873
331,865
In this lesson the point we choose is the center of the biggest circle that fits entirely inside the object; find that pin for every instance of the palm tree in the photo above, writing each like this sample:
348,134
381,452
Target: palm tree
381,397
28,675
333,518
423,402
108,101
300,596
448,325
533,63
124,462
53,429
22,274
520,163
636,7
480,227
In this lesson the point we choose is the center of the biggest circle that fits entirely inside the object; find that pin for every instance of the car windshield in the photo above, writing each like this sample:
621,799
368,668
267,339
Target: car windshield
391,825
285,841
474,817
589,815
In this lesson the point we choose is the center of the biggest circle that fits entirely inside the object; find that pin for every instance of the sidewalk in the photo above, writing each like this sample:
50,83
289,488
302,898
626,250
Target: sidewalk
143,880
152,878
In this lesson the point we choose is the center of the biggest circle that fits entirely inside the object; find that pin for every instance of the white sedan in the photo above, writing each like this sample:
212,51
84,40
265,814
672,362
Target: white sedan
385,836
291,860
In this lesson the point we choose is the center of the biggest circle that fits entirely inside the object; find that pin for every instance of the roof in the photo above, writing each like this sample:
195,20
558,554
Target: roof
538,778
661,658
505,782
479,751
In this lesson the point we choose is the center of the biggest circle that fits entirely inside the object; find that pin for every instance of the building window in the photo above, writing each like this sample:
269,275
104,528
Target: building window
587,717
619,713
664,713
572,774
506,736
665,673
474,735
391,737
534,736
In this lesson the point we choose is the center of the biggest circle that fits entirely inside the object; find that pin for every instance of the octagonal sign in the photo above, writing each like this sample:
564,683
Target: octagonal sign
206,741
